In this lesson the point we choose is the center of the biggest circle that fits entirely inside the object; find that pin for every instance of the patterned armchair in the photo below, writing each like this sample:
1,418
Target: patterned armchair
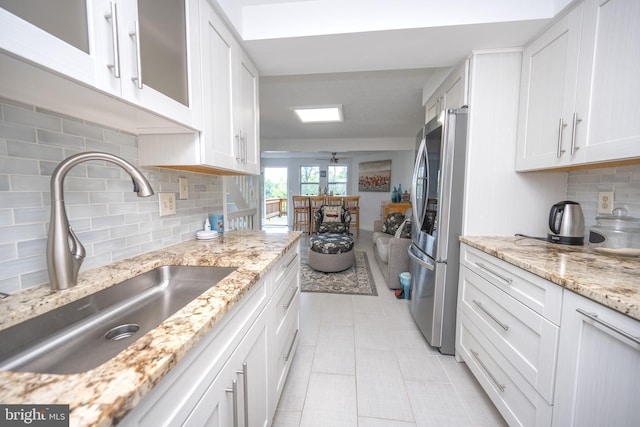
331,219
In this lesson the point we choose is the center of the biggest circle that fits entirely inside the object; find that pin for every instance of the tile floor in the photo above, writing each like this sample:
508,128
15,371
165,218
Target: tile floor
361,361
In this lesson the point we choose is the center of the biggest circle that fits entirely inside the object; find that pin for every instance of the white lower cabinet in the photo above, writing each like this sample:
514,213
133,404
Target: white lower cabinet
543,354
598,380
234,375
507,336
238,395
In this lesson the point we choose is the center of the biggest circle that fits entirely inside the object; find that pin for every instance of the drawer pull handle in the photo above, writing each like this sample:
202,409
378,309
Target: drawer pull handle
295,335
595,318
284,267
576,120
501,386
234,391
502,325
561,126
288,304
484,267
136,34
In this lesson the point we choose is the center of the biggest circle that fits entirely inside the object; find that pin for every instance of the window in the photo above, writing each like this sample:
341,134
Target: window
337,179
309,180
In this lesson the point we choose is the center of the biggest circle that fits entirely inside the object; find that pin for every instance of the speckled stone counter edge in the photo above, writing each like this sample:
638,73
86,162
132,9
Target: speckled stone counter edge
613,281
104,395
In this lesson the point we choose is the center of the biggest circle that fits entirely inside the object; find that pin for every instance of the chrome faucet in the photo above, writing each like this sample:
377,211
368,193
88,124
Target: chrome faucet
65,253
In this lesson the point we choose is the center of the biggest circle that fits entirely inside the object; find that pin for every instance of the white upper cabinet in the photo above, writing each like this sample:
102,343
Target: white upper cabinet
141,52
610,67
579,81
229,142
452,93
547,96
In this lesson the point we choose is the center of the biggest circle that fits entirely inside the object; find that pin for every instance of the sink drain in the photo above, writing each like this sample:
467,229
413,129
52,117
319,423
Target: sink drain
121,332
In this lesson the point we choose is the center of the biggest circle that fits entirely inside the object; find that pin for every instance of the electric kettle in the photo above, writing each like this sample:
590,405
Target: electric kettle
566,223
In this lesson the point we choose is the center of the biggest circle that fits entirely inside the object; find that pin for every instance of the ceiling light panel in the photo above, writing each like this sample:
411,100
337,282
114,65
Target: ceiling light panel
326,114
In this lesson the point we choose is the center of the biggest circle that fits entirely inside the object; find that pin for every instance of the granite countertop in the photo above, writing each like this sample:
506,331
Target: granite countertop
104,395
613,281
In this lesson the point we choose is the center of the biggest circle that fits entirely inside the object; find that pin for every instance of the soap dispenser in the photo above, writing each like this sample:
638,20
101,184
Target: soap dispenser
207,225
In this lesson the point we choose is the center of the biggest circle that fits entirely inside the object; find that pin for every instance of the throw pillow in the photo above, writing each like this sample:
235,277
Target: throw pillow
392,222
404,230
332,214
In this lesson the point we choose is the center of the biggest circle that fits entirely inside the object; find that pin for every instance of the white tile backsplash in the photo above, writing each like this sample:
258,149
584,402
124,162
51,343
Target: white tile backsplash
110,221
623,181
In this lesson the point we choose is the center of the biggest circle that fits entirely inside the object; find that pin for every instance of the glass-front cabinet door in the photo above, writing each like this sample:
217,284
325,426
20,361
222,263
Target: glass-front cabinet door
74,38
144,51
162,60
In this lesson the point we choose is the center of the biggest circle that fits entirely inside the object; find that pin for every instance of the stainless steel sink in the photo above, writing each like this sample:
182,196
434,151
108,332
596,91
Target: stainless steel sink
86,333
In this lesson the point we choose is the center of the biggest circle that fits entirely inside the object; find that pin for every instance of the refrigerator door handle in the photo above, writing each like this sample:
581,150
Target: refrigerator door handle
419,261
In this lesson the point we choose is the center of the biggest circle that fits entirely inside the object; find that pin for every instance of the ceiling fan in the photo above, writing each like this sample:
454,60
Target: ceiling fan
333,158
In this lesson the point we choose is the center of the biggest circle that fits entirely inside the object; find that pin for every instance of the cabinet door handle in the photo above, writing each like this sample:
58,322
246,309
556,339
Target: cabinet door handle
502,325
295,335
136,35
288,304
500,276
575,122
238,150
113,16
501,386
561,126
595,318
245,385
234,392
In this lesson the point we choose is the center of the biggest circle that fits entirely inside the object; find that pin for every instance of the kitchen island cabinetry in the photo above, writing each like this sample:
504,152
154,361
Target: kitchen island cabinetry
114,48
578,89
229,141
598,379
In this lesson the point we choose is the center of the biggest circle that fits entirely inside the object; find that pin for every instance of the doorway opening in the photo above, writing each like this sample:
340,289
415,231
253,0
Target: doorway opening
276,197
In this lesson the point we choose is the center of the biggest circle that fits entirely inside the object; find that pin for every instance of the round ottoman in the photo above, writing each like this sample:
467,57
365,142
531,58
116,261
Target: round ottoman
331,252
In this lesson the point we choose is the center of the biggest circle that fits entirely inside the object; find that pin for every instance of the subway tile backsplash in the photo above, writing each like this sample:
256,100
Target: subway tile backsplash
110,221
584,187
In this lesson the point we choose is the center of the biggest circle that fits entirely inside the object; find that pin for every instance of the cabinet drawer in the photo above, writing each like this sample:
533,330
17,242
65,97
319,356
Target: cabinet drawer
285,297
540,295
527,340
515,398
287,341
282,269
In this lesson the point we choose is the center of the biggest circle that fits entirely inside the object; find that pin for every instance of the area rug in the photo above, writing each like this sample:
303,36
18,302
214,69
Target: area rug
356,280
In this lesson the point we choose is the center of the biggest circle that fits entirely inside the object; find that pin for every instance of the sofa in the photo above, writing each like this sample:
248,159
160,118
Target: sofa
391,246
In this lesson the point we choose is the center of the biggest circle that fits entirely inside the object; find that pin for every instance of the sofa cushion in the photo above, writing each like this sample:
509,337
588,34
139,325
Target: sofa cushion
392,222
404,230
382,247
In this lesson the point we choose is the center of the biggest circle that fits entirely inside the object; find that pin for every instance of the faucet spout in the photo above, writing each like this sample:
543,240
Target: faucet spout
65,253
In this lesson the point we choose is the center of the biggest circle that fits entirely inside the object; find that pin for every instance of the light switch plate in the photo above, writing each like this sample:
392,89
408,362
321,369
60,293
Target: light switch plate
605,202
184,188
167,203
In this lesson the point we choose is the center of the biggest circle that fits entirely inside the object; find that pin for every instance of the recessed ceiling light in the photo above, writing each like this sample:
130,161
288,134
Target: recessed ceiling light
325,114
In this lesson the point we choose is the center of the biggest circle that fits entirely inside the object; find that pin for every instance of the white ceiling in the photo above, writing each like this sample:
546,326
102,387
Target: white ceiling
373,57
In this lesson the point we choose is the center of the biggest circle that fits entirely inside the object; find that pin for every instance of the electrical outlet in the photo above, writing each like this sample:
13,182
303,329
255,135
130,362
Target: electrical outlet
605,202
184,188
167,203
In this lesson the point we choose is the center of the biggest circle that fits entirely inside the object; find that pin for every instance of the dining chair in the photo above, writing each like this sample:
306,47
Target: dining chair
301,213
352,204
315,203
334,200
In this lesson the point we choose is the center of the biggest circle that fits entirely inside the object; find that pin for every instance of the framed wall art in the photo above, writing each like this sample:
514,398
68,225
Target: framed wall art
375,176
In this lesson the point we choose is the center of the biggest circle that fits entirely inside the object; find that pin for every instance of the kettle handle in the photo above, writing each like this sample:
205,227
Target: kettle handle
552,216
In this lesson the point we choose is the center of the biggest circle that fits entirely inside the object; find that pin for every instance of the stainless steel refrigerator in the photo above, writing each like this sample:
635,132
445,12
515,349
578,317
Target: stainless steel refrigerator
437,199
